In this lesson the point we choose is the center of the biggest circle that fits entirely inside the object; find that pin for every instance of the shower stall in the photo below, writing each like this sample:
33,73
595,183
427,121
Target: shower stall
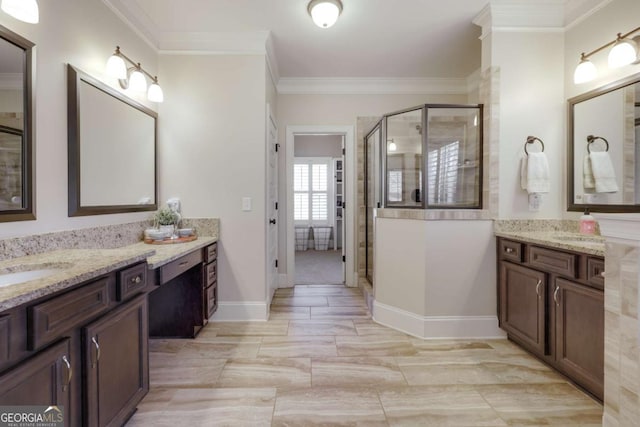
426,157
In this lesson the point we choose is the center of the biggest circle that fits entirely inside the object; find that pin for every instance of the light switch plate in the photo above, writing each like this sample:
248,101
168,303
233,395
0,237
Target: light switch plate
246,204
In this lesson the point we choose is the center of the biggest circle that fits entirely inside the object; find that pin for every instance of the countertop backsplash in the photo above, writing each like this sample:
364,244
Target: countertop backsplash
102,237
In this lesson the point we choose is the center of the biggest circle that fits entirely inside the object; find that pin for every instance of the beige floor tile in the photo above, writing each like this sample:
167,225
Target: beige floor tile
298,346
374,345
369,327
269,328
346,301
166,346
322,290
300,301
173,371
278,312
327,406
438,406
339,313
356,372
219,350
321,327
220,407
266,372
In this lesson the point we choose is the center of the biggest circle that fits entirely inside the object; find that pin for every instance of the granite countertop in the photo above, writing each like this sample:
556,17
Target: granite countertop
593,245
79,265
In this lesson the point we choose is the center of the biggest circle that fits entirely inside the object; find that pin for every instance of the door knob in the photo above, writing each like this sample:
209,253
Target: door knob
272,221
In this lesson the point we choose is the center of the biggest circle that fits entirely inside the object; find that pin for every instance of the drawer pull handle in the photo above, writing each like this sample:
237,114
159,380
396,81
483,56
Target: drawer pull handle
538,287
95,343
555,295
136,279
183,263
509,250
69,372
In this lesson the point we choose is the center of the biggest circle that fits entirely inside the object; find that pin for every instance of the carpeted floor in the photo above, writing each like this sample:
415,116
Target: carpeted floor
318,267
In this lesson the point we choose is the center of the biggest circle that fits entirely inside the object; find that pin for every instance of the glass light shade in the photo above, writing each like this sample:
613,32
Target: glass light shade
24,10
393,146
137,81
325,13
585,72
622,53
155,93
116,67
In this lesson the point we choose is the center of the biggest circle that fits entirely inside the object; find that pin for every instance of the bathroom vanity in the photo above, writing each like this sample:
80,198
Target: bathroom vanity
67,348
551,302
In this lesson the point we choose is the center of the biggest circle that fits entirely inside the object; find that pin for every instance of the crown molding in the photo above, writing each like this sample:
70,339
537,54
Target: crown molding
371,86
272,61
131,14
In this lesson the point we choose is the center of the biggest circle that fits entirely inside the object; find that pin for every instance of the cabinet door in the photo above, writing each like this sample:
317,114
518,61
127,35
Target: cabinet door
522,297
116,364
579,323
41,380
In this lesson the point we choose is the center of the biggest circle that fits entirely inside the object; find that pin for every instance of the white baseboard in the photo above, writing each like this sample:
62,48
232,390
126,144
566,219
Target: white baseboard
437,326
241,312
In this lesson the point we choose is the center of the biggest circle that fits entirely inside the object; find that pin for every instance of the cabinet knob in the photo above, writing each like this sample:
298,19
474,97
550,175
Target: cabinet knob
136,279
509,250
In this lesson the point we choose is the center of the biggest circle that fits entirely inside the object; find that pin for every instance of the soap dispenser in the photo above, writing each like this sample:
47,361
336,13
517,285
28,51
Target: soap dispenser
587,223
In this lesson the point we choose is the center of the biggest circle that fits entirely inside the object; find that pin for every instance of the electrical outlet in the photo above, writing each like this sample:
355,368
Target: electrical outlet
246,204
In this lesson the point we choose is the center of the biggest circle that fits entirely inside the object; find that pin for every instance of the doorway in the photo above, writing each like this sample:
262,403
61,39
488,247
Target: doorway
319,229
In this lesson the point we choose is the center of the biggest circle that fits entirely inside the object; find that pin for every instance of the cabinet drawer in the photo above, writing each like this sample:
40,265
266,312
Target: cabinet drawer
211,252
212,273
595,271
51,319
555,261
511,250
179,266
212,300
131,281
5,337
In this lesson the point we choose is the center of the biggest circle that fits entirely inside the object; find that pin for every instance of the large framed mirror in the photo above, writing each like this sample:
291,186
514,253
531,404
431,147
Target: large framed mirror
112,149
17,142
603,169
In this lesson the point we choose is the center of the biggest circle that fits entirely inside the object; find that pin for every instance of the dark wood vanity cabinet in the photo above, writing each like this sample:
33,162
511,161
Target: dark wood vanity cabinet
184,294
551,302
84,348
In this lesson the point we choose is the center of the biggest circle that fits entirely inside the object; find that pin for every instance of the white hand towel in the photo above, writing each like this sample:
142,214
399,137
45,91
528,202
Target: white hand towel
523,172
588,181
603,172
538,173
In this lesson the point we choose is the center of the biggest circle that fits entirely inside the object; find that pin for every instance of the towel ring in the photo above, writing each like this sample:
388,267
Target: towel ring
531,140
591,139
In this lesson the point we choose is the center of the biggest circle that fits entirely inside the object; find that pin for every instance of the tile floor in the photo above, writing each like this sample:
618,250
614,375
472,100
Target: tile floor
321,361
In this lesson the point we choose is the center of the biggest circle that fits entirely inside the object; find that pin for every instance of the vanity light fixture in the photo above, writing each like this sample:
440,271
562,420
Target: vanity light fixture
324,13
24,10
133,77
624,51
392,145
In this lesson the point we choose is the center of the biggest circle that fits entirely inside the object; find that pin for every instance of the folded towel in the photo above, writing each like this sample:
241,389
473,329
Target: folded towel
603,172
534,173
588,182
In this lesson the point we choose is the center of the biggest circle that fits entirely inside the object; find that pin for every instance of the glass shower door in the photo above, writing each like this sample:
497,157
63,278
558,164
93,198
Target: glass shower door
372,194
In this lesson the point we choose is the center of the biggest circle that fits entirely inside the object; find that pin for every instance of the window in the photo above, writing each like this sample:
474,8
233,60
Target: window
311,190
443,174
395,186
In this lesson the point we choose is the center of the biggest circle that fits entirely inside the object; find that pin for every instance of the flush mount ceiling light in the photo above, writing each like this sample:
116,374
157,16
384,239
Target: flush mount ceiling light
324,13
24,10
624,51
133,77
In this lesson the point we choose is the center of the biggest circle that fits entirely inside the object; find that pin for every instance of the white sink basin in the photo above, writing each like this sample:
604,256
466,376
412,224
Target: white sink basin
9,278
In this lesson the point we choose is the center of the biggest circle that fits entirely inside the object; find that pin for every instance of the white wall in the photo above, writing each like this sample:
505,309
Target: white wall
83,33
212,153
531,103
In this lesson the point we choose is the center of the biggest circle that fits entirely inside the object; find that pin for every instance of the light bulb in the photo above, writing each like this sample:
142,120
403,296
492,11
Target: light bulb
137,81
116,67
24,10
585,72
155,92
622,53
325,12
393,146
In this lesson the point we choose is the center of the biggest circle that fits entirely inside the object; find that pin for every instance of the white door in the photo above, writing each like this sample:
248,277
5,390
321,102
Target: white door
272,205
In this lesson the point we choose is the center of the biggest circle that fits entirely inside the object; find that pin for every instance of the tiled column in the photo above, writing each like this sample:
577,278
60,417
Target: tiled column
622,321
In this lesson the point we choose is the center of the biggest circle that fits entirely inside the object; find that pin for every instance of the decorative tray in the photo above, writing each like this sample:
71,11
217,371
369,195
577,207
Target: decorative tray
169,241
